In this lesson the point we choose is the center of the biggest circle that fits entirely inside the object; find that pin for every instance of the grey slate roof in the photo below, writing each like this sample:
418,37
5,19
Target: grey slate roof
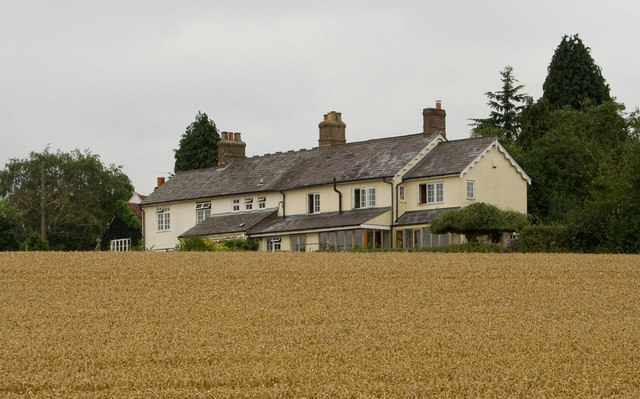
449,157
320,221
422,216
236,222
364,160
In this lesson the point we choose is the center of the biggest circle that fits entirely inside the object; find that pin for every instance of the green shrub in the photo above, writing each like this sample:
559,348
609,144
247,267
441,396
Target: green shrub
241,245
466,247
34,243
543,238
198,243
206,244
479,219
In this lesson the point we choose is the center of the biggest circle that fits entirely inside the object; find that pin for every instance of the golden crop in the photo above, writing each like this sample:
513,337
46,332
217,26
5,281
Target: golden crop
138,325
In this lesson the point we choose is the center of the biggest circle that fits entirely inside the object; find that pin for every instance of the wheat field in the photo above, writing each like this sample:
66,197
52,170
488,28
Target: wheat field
318,325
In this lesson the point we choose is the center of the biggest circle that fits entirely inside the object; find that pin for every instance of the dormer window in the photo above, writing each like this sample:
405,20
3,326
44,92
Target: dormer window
262,202
248,204
203,211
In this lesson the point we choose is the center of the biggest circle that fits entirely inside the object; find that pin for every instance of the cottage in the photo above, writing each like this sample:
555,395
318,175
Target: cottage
380,193
124,229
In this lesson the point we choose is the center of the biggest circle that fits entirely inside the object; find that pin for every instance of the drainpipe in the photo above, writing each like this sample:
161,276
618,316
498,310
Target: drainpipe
393,221
142,230
339,196
384,180
284,197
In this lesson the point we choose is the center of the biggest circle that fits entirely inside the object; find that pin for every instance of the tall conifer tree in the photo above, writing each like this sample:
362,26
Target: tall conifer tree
506,106
573,78
199,145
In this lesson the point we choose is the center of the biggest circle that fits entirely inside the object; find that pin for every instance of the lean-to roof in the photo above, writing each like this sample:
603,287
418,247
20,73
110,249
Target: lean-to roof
326,220
236,222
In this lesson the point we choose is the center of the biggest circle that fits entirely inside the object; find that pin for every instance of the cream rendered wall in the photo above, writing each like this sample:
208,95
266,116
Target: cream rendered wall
502,186
285,242
296,200
452,194
225,204
381,220
183,217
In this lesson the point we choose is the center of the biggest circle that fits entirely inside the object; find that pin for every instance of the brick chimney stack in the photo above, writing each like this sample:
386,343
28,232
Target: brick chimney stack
332,130
434,120
230,147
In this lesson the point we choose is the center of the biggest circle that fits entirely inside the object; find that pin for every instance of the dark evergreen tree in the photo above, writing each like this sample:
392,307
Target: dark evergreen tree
570,156
573,78
198,146
506,106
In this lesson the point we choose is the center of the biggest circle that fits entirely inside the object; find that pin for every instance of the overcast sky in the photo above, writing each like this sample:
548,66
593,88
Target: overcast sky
125,78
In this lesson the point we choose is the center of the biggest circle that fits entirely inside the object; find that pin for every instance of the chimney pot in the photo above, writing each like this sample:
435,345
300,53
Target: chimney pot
434,120
332,130
230,147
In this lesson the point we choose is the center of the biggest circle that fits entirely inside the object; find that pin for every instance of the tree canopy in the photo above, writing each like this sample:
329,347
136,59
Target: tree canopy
506,105
12,230
67,197
582,152
573,77
478,219
198,146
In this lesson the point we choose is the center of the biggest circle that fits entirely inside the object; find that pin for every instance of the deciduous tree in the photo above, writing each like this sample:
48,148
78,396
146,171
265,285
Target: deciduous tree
12,230
67,197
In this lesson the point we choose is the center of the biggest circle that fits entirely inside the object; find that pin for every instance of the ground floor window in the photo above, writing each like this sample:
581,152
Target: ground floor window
423,238
299,243
120,245
273,244
345,240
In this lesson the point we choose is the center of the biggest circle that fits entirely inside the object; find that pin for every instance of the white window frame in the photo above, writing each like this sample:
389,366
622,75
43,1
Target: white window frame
203,211
401,193
274,244
262,202
248,204
313,198
120,245
367,197
235,205
163,218
471,193
434,193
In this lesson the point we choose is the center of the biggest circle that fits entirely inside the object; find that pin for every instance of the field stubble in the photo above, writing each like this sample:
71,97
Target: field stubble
319,325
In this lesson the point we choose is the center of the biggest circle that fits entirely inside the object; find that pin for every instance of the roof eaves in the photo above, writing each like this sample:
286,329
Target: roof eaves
496,143
431,176
420,155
